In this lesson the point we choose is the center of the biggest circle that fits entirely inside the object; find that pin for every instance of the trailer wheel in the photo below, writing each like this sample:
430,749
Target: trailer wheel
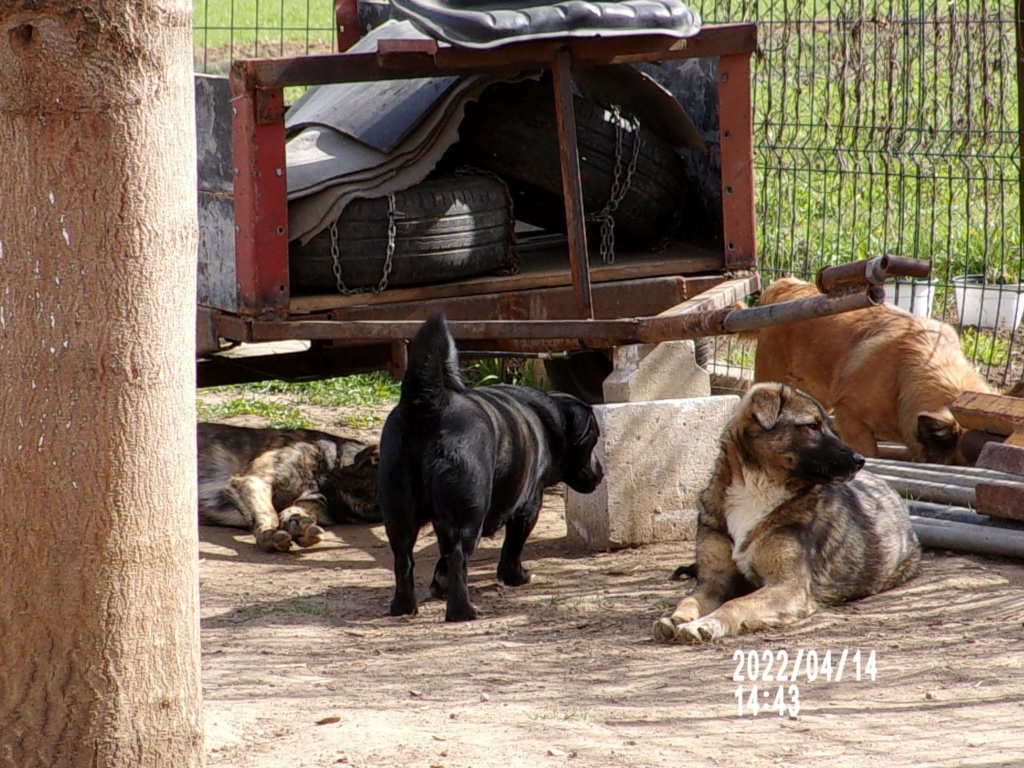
445,229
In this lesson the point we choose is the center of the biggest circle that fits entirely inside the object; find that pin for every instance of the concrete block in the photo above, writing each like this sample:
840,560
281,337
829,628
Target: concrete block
663,371
1005,458
657,458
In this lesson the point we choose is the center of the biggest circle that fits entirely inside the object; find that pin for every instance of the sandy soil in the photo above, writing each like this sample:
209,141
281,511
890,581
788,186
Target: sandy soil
303,667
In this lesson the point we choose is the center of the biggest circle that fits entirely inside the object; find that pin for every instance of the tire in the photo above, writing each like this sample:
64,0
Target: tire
581,375
446,229
512,132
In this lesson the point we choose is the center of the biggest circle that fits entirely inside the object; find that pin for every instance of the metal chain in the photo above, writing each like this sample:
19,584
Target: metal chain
389,255
619,187
513,264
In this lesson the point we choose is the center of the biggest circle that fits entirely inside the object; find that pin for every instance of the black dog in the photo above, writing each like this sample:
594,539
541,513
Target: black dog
470,461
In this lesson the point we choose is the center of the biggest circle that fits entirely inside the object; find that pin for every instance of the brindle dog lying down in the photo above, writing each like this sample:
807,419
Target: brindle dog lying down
788,524
284,484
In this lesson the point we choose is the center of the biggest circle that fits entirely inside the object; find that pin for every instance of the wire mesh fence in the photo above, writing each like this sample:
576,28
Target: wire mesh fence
223,30
880,126
891,127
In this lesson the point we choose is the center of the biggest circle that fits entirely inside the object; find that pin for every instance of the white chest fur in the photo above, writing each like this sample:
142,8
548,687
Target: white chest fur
748,500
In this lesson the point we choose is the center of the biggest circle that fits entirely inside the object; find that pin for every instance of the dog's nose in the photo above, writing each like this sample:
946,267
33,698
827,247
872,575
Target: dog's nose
859,460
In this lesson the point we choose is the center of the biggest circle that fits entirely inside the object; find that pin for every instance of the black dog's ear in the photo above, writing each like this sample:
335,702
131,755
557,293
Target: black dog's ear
578,416
766,404
938,431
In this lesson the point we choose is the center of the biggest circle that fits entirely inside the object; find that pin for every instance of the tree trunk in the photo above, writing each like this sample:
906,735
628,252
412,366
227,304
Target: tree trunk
99,645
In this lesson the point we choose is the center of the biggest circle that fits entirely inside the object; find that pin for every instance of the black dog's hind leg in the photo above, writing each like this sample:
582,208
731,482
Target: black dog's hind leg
439,584
517,530
403,540
457,554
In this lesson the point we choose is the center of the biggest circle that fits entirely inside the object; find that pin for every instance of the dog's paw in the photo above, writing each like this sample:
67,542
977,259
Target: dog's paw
515,576
404,605
439,588
274,541
665,630
703,630
460,613
309,534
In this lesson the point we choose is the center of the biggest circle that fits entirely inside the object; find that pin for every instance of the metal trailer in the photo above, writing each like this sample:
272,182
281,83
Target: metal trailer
558,304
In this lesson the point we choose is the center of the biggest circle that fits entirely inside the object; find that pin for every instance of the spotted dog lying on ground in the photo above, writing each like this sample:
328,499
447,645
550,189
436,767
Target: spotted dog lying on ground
284,484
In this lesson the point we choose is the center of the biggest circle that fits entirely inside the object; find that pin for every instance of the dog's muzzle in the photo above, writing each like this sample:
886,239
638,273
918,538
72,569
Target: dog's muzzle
587,480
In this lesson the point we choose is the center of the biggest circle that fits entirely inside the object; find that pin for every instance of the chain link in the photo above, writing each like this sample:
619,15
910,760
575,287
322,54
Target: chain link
389,255
619,186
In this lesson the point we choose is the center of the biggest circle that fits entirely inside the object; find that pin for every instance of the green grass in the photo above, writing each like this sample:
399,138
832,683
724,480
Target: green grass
985,348
276,414
485,372
371,392
220,23
578,714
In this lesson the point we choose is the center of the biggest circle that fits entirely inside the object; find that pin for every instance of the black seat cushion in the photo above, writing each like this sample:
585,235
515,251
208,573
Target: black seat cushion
488,25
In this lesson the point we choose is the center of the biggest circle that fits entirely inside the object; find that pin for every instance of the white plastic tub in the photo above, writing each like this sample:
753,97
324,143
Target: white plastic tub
985,305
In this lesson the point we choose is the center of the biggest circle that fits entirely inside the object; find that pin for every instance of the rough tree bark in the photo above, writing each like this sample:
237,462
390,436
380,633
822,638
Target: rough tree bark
99,646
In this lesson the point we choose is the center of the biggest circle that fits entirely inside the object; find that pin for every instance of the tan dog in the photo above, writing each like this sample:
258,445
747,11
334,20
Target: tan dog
886,374
787,524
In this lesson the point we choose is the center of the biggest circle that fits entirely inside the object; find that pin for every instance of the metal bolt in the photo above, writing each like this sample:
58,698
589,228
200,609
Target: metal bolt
725,77
234,110
279,172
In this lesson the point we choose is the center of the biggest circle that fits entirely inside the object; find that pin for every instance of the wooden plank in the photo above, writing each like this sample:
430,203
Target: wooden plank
721,296
542,269
998,414
1001,500
1015,439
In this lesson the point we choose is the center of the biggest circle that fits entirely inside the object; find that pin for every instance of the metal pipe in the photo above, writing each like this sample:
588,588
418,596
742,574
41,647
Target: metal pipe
595,333
730,320
912,476
965,537
902,469
960,515
937,492
869,272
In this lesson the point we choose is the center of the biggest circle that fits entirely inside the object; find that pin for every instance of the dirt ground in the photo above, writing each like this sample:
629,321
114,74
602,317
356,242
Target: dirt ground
303,667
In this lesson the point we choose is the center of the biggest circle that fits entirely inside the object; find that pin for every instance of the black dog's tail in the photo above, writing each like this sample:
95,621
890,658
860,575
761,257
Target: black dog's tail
433,369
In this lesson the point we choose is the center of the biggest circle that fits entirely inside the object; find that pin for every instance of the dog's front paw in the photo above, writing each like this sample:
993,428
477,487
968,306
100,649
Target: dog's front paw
460,613
666,630
274,541
703,630
513,576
